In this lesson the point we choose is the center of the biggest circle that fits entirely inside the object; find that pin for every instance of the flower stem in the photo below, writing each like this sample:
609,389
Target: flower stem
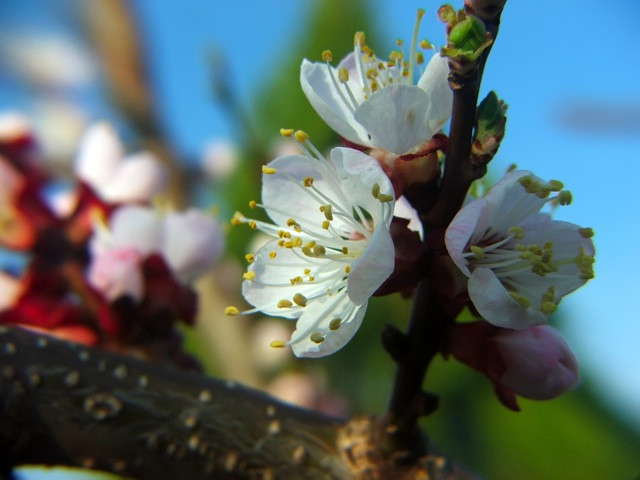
429,322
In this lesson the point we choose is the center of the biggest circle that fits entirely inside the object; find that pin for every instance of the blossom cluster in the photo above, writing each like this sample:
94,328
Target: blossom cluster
338,239
101,264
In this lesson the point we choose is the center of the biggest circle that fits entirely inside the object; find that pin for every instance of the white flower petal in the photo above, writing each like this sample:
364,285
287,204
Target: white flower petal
321,92
137,227
273,276
496,306
396,118
192,243
460,231
373,267
137,178
116,273
435,83
317,319
99,154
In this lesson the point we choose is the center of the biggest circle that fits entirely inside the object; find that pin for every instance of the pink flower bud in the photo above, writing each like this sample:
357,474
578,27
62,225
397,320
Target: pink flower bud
539,363
534,362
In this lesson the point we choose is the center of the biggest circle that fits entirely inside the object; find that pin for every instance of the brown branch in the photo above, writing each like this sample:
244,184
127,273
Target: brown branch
64,403
68,404
428,323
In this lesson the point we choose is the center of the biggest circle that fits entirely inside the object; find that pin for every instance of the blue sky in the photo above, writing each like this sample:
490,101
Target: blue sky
550,56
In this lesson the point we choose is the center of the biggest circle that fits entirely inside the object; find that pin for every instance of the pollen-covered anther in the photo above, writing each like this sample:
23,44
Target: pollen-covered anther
278,344
272,255
250,275
237,219
328,211
252,204
231,310
316,337
268,170
249,257
343,75
345,251
517,232
565,197
347,269
477,252
326,224
359,38
253,224
335,324
586,232
319,250
301,136
296,280
327,56
286,132
308,181
521,299
284,303
300,300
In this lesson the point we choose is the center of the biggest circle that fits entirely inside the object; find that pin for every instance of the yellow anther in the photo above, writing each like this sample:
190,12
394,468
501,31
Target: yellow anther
328,212
396,56
296,280
359,38
291,222
347,269
268,170
286,132
300,300
316,337
252,204
319,250
285,304
345,250
326,224
278,344
425,44
517,232
335,324
297,228
297,242
308,181
420,13
237,219
301,136
375,190
249,257
343,75
477,252
548,308
250,275
311,244
399,42
253,225
272,255
231,310
372,73
327,56
419,58
374,87
521,299
384,198
307,271
556,185
565,197
312,278
586,232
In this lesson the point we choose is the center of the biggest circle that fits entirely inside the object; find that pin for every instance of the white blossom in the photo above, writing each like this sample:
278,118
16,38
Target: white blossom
332,247
101,163
375,103
519,261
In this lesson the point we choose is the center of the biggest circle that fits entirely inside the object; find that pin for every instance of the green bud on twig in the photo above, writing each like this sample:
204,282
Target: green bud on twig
491,123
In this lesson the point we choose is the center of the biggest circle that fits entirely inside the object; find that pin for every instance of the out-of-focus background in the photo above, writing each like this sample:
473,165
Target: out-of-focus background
207,86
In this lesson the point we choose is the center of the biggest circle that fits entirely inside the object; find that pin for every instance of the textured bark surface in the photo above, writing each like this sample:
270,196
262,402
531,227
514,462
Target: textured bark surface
67,404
